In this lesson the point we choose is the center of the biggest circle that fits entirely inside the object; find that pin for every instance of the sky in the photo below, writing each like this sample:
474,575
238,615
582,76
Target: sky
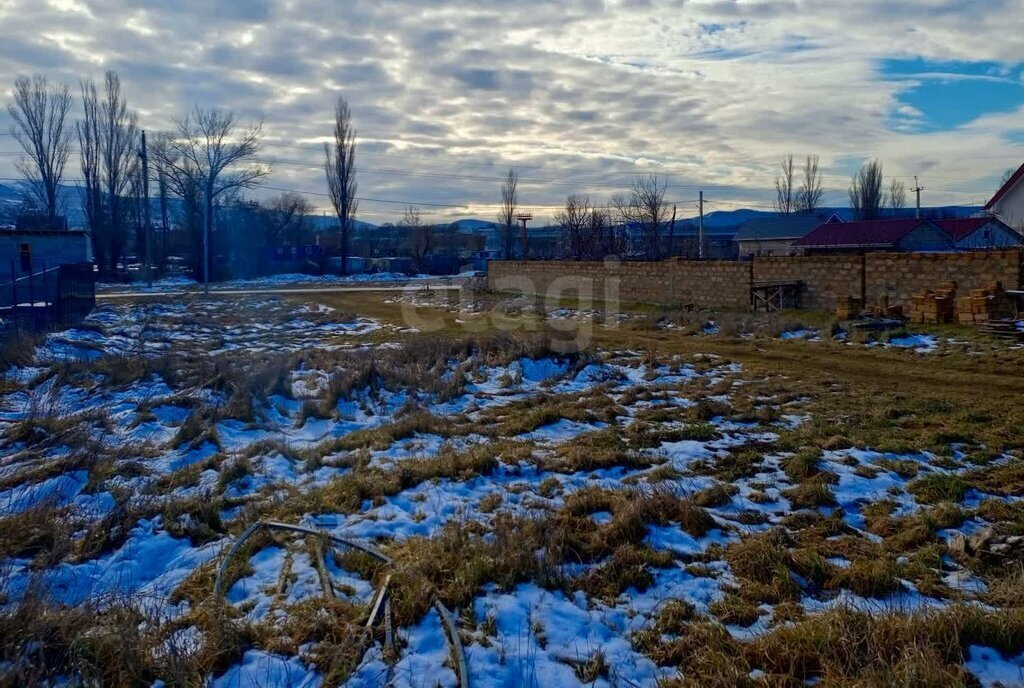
578,96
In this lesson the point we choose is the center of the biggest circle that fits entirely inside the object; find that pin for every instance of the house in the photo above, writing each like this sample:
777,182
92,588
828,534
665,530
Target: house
1008,203
876,235
973,233
31,250
774,236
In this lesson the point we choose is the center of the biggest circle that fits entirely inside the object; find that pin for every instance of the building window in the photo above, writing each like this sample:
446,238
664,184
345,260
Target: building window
26,257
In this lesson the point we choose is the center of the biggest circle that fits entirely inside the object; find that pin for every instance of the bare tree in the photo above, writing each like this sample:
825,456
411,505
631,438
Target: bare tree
897,196
1006,176
646,210
608,241
88,129
809,196
785,199
287,220
119,138
40,126
507,214
419,235
340,166
208,157
866,195
575,222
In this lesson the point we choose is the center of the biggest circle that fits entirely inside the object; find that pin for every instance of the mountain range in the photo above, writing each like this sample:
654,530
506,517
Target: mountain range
718,222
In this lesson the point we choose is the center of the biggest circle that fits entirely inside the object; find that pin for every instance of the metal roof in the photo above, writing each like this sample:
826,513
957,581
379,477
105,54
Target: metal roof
863,233
792,226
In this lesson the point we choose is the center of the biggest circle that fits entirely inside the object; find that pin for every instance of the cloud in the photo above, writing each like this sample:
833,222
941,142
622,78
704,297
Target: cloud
580,95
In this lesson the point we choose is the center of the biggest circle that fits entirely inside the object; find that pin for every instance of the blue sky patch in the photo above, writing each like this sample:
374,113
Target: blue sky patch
939,96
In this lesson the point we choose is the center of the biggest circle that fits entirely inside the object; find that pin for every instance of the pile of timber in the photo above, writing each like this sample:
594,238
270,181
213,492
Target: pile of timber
848,307
1004,329
934,307
983,305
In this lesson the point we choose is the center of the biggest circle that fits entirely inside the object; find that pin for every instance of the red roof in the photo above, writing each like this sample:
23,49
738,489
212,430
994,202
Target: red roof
864,233
1005,188
964,227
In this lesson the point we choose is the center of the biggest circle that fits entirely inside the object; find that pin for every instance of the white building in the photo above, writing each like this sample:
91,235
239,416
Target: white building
1008,203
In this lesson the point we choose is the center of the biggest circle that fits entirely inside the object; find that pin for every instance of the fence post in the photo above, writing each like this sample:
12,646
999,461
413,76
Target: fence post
58,298
14,292
48,307
32,298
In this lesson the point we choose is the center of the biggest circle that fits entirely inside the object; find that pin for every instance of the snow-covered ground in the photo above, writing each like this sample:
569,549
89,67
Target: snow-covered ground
164,429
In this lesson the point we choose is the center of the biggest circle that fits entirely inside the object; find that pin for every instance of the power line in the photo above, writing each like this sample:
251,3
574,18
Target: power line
79,182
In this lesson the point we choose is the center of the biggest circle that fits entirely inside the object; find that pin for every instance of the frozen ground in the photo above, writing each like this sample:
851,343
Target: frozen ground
628,498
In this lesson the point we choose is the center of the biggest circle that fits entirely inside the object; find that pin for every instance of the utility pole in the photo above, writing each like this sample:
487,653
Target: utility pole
917,190
145,208
700,229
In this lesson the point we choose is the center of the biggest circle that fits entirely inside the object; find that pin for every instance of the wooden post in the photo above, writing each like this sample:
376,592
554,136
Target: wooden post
31,296
14,292
46,296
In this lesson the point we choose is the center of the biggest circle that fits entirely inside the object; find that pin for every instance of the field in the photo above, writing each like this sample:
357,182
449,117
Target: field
366,489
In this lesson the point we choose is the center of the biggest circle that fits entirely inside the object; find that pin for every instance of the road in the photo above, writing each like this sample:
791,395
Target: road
111,296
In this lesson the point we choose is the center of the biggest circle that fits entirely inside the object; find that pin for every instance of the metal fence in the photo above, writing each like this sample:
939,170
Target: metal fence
49,297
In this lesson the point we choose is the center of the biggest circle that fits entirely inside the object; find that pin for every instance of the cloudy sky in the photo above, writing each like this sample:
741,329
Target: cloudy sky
578,95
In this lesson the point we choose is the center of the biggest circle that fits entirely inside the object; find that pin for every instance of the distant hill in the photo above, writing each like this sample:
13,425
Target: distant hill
728,221
719,222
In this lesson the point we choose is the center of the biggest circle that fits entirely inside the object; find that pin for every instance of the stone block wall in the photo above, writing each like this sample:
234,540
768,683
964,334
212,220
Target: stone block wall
901,275
726,284
824,277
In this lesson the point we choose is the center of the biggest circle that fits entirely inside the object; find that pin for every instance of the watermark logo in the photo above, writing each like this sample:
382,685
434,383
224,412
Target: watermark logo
566,307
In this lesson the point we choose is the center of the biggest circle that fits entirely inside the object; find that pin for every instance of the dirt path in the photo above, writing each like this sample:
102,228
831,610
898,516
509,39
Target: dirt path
276,290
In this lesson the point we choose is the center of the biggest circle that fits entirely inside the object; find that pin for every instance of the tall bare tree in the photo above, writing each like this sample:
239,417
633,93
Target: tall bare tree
897,196
90,153
210,154
645,209
809,197
40,116
119,138
574,221
507,213
340,166
785,198
866,195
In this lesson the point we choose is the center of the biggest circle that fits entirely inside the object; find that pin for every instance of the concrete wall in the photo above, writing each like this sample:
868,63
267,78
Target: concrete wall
726,284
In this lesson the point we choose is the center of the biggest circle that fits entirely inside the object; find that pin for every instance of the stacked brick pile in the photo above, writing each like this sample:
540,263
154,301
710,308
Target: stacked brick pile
933,307
982,305
848,307
883,309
